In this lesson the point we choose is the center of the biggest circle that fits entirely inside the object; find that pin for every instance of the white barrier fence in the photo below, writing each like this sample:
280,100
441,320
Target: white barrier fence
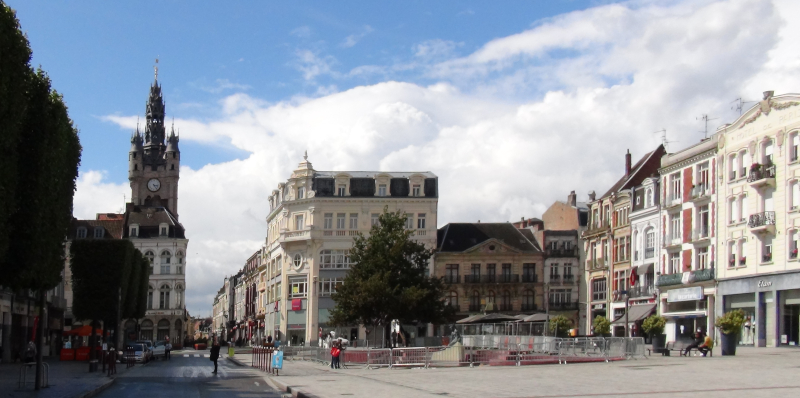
485,350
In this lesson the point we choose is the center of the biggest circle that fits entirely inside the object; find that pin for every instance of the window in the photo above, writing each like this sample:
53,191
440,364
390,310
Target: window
528,301
382,190
328,221
703,179
299,222
731,254
793,245
340,220
334,259
451,273
733,167
98,232
744,163
768,203
740,250
375,219
415,190
620,281
766,250
702,258
675,228
179,296
409,221
674,263
150,298
301,192
675,187
298,259
650,244
733,210
328,286
648,197
165,269
150,256
475,301
768,152
743,208
560,297
340,190
794,144
163,231
452,299
166,257
703,222
506,272
81,233
553,271
163,298
505,301
298,287
476,270
794,191
599,289
421,221
353,220
490,272
529,272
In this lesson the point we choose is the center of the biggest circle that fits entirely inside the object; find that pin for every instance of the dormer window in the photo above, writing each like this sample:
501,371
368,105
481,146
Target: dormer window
99,232
415,190
301,192
81,233
382,190
340,190
134,230
163,229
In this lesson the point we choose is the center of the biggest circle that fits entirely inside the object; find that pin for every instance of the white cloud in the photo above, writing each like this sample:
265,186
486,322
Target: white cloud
353,39
311,64
603,80
437,48
301,31
221,85
94,195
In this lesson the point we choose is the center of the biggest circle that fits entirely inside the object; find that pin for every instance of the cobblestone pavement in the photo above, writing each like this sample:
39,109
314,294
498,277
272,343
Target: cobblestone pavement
67,379
753,372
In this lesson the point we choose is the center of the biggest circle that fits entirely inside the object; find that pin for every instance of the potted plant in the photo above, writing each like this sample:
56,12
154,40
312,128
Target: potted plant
560,325
730,325
654,327
601,326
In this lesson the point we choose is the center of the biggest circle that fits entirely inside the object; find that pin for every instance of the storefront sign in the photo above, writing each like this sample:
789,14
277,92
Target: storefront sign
599,306
685,294
763,283
297,304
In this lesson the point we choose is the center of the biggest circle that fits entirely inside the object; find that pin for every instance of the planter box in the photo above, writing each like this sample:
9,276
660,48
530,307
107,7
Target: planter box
659,342
67,354
728,343
201,346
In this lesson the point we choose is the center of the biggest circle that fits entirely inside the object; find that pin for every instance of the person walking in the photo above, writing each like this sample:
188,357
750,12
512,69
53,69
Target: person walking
112,360
215,353
168,350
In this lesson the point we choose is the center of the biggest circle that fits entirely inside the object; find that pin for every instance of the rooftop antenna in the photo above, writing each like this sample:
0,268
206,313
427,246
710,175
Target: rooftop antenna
740,104
155,68
705,119
664,140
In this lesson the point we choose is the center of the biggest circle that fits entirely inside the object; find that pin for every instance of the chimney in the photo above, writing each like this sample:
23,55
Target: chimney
592,196
571,200
628,163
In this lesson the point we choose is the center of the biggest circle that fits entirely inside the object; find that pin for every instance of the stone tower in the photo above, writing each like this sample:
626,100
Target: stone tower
154,158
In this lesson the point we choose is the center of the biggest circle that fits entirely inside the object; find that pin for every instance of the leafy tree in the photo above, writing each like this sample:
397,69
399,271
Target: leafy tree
601,325
388,279
143,285
654,325
560,325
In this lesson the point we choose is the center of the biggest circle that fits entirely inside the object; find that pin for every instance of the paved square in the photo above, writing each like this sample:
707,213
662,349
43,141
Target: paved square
762,372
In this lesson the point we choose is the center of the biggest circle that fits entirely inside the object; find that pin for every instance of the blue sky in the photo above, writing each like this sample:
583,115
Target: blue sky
512,104
100,54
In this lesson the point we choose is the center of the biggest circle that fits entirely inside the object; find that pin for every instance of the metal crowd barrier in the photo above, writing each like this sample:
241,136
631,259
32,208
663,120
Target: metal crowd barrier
480,351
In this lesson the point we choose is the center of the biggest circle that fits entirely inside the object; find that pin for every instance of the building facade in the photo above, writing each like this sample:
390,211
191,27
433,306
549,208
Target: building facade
490,267
313,219
758,204
562,273
645,238
686,283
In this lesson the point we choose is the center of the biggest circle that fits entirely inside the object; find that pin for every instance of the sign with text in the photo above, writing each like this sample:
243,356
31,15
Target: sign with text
685,294
297,304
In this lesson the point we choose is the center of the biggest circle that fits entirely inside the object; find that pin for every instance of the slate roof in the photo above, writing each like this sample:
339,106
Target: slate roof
150,218
113,228
458,237
639,171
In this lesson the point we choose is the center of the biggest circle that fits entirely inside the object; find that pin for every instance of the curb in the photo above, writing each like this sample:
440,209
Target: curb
98,390
235,361
291,390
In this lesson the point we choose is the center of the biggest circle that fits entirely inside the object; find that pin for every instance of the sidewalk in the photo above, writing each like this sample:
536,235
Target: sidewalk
67,379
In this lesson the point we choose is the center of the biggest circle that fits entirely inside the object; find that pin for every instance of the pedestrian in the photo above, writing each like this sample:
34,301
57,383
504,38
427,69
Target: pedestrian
341,353
215,353
708,345
112,361
269,339
30,352
394,339
698,339
168,350
334,355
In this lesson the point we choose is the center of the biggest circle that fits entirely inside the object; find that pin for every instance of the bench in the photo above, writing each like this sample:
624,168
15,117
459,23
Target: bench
710,352
681,346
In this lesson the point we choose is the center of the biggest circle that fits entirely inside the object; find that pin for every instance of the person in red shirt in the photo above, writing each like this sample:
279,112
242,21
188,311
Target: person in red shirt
335,352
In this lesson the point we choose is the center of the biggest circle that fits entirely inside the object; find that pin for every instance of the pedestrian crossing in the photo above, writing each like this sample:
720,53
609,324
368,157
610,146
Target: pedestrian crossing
197,355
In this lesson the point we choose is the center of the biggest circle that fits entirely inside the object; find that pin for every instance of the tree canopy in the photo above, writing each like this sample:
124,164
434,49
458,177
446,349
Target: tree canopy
107,277
37,170
388,279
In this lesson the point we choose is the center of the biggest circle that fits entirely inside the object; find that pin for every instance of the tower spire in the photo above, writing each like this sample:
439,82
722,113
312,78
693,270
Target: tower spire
155,69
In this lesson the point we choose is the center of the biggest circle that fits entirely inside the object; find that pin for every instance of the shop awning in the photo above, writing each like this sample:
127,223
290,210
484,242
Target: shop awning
536,318
635,313
644,269
687,315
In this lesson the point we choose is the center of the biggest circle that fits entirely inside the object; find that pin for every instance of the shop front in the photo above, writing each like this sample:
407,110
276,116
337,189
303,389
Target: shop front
688,310
771,304
296,321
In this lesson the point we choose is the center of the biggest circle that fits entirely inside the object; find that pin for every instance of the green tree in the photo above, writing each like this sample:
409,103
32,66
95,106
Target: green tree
388,279
560,325
601,325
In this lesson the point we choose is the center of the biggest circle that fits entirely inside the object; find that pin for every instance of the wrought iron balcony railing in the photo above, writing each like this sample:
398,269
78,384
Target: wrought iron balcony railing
761,219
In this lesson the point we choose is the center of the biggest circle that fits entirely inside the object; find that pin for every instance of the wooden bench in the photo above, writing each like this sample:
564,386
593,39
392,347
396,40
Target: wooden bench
679,346
710,352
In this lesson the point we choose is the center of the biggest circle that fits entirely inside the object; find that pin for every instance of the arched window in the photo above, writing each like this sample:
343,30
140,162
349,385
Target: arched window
81,233
505,304
163,300
150,298
179,261
179,296
298,259
150,256
528,303
146,330
452,299
166,259
163,329
491,298
648,198
475,301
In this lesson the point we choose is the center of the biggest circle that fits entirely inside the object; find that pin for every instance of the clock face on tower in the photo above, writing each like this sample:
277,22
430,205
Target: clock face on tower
153,185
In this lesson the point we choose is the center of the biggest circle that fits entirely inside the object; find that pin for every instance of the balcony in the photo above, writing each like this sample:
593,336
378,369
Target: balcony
596,264
530,278
290,236
562,252
672,240
528,307
474,308
761,175
673,199
451,279
509,278
505,307
596,228
694,276
569,278
763,222
555,278
700,234
649,252
701,193
472,278
490,278
642,291
563,306
618,295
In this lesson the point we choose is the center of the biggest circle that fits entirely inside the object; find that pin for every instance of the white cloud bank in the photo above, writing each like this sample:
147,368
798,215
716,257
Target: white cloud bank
598,82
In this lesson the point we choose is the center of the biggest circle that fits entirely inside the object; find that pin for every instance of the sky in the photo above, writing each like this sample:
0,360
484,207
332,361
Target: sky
512,104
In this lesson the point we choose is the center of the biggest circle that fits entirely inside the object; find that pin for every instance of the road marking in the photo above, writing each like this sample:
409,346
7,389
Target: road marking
186,355
207,355
197,355
256,383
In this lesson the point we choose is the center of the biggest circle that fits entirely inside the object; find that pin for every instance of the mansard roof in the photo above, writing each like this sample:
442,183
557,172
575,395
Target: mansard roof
113,228
459,237
645,167
150,218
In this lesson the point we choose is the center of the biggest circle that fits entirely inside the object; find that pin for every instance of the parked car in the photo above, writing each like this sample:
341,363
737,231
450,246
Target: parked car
140,353
159,349
149,349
